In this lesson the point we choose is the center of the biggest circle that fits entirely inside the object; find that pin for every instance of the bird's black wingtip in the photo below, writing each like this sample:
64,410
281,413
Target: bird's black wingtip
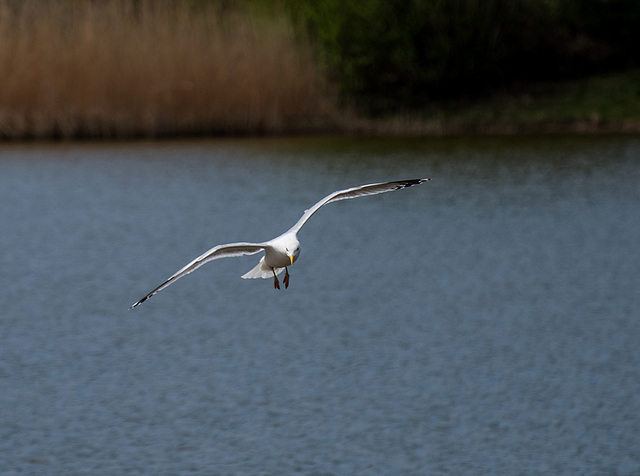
412,182
135,304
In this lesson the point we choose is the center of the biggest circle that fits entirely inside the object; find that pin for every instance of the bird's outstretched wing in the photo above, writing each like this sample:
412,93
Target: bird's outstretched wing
355,192
220,251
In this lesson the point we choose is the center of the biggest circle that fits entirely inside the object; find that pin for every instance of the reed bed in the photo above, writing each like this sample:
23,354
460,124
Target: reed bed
116,69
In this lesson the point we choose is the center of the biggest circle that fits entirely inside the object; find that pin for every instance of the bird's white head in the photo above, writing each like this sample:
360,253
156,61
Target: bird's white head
292,248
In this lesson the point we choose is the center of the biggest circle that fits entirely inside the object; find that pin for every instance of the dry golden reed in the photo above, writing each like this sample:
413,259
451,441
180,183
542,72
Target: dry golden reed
118,68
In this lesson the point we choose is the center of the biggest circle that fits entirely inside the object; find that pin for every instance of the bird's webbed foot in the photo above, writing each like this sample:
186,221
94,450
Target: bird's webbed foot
276,283
285,280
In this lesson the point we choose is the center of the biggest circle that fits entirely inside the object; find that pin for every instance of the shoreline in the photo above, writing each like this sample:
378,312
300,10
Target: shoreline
109,71
607,104
394,126
370,128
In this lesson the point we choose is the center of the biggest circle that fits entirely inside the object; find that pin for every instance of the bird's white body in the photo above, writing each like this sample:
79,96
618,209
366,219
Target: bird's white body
282,251
279,253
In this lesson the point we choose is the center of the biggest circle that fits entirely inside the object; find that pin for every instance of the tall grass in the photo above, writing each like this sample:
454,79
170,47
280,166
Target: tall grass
121,68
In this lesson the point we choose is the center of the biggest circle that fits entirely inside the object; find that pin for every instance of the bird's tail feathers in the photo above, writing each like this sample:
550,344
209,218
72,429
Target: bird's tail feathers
261,270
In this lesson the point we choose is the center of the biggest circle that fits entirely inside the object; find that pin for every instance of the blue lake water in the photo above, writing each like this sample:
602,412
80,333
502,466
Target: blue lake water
486,322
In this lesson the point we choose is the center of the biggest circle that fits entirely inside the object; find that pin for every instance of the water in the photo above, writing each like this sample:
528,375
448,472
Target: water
486,322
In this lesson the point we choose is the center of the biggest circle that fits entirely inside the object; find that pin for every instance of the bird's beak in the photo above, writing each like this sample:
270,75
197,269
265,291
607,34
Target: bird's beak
291,257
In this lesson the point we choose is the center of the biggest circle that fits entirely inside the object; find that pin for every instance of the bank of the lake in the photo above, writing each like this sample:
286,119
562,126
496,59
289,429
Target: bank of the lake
121,70
600,104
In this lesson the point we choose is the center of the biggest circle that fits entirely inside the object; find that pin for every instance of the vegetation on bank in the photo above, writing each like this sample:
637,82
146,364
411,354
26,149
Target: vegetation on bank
392,55
601,103
132,68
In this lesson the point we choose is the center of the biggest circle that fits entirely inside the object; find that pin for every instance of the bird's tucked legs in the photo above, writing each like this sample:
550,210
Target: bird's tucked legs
276,283
286,278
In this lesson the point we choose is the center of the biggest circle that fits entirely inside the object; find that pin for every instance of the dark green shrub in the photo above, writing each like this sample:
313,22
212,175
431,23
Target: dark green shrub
391,54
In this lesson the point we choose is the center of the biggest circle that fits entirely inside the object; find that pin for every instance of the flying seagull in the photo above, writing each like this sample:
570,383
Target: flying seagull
283,251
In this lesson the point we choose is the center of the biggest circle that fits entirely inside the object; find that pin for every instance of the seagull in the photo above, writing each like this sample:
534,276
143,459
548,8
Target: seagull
282,251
